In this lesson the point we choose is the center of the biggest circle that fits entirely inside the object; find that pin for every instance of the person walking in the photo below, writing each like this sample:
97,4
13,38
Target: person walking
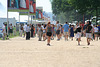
95,32
89,32
84,33
58,30
40,32
24,28
32,30
66,30
14,30
78,35
44,32
72,32
11,29
27,32
21,30
48,33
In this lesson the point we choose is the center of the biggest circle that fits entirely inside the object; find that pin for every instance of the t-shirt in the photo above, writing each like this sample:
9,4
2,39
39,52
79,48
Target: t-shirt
58,26
4,29
79,29
21,28
66,27
95,29
44,29
11,27
40,29
25,27
88,29
49,29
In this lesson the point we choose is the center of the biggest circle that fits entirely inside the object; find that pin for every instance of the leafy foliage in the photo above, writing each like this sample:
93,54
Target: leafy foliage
68,8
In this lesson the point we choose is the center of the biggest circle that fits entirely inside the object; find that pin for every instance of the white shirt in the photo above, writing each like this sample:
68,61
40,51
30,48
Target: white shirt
11,27
4,29
95,29
27,29
24,27
58,26
44,29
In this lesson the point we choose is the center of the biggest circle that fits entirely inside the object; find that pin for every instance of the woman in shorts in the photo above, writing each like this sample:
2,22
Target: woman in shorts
78,35
48,33
89,32
95,32
44,32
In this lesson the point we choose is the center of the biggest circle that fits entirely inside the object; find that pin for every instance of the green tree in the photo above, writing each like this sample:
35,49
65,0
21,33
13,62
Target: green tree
89,7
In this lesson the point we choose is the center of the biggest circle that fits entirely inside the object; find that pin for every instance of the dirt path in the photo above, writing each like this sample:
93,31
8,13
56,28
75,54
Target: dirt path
18,52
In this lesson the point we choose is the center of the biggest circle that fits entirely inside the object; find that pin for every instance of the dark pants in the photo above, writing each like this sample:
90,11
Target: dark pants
32,32
27,35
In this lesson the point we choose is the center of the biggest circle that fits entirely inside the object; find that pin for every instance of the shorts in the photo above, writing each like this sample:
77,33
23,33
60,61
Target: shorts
49,34
11,31
88,35
66,33
58,32
44,32
78,35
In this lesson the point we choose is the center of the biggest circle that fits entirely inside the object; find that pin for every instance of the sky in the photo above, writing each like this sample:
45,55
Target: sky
45,4
39,3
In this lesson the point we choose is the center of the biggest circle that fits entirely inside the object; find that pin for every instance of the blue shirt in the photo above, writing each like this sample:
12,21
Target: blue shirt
66,27
99,29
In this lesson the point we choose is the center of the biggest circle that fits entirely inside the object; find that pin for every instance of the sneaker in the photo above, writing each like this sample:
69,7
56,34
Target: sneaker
79,44
88,43
48,44
58,39
39,40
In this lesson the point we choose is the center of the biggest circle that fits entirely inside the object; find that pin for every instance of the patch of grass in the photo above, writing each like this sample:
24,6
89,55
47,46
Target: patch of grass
17,34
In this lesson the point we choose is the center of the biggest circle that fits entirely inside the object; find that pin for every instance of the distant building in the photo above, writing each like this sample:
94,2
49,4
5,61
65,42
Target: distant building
4,20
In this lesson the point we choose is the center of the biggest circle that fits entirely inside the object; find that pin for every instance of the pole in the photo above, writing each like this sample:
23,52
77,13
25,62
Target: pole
28,17
7,21
29,11
19,23
35,25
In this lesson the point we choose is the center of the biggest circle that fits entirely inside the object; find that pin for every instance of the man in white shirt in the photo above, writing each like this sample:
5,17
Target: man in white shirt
27,32
25,29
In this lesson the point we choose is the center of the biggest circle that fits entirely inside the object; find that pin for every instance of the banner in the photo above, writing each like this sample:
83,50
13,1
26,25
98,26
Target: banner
39,13
32,8
18,5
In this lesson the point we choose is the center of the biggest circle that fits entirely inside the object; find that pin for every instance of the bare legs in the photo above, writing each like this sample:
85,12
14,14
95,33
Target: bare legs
48,40
79,39
88,41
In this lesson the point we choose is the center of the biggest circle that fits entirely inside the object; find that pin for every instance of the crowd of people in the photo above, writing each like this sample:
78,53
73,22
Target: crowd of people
50,31
11,30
